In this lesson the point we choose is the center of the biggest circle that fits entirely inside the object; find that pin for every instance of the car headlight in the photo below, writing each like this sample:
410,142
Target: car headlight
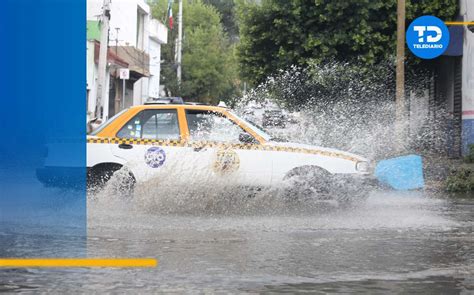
363,166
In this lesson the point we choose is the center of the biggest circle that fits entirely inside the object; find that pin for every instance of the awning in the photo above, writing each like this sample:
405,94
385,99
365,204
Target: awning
138,60
111,56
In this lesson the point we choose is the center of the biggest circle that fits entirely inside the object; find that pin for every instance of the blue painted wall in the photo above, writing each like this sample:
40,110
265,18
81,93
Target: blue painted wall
467,134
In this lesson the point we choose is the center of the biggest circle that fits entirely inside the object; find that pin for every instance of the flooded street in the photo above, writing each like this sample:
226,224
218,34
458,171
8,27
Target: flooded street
237,147
405,242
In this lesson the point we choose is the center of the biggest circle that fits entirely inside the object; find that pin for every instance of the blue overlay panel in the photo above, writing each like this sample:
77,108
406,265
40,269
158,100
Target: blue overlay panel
43,91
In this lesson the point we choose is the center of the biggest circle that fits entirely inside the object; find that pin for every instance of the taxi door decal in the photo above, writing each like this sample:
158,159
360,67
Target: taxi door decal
155,157
226,161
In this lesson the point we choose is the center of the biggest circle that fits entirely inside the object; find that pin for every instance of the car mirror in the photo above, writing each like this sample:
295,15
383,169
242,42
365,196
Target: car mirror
93,124
246,138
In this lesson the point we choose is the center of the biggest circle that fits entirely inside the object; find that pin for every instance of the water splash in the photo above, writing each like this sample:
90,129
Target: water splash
334,105
346,106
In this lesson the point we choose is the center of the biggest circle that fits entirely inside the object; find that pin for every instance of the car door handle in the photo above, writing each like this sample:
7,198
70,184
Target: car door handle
198,149
125,146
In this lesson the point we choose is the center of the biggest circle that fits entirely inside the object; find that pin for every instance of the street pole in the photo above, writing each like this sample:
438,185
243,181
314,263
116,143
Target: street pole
123,94
180,41
116,40
400,111
102,108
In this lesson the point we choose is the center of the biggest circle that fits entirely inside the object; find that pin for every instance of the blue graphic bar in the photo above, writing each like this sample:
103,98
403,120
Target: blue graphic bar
42,117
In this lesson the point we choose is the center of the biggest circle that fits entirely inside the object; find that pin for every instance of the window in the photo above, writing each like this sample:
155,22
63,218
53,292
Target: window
255,128
152,124
107,123
140,28
212,126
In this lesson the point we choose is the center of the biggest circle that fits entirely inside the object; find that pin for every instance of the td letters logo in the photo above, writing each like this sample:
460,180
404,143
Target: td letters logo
427,37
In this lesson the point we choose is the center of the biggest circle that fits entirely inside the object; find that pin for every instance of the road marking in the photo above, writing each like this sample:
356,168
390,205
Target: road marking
78,262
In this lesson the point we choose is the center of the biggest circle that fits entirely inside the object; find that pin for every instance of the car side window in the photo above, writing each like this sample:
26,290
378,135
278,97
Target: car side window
213,126
152,124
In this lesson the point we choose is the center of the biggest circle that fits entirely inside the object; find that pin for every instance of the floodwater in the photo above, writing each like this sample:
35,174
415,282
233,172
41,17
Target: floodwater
214,240
398,242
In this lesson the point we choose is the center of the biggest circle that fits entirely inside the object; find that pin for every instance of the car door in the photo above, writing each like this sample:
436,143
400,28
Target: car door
151,145
220,153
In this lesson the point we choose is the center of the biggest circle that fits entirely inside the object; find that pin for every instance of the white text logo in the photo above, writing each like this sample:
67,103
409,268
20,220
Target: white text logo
430,38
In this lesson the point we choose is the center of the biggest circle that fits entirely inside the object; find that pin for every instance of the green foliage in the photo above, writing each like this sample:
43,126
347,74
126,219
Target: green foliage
226,9
329,84
470,157
209,66
460,180
278,34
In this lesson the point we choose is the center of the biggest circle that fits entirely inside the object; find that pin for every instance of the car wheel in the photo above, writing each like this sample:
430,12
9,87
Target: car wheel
349,194
309,182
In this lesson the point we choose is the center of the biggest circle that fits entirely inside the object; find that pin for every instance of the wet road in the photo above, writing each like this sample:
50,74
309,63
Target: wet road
393,242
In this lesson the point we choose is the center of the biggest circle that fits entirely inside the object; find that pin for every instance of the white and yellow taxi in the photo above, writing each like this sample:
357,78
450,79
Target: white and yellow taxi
190,143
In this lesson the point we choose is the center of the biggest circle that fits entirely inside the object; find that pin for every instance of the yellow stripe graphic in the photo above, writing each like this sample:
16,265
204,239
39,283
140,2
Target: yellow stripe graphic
246,146
459,23
78,262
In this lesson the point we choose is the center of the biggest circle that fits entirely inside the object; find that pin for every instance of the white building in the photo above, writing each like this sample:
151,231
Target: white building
467,13
135,40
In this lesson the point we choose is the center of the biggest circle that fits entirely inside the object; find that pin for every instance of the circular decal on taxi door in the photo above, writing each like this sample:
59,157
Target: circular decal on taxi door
155,157
226,161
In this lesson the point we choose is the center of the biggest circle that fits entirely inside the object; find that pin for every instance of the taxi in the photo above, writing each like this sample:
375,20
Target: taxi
169,140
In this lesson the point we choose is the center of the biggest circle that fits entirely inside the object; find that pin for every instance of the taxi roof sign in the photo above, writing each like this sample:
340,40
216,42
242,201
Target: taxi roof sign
166,100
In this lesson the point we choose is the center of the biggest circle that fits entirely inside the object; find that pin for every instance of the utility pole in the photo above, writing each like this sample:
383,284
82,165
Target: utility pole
180,41
400,116
116,40
102,107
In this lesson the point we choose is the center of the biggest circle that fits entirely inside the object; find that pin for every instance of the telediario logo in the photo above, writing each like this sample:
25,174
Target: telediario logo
427,37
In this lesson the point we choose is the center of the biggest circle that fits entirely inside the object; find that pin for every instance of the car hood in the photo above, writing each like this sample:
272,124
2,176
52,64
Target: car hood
315,148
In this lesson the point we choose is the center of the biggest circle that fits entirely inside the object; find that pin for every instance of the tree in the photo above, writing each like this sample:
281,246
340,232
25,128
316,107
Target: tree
209,68
278,34
227,10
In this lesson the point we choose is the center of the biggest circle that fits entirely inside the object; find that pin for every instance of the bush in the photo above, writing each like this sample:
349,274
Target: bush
460,180
470,157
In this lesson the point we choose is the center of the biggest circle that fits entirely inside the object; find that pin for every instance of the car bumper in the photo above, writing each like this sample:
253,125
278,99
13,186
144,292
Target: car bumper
355,183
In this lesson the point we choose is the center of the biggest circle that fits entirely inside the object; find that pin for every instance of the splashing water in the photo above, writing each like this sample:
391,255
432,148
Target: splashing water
334,105
209,236
342,106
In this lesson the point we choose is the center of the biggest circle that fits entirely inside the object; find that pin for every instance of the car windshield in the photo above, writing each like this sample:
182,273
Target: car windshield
256,128
106,123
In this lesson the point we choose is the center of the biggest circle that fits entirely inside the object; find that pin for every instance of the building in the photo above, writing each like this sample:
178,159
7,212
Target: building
135,40
467,14
442,108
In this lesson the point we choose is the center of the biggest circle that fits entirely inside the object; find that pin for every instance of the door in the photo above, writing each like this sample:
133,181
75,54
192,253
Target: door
150,143
225,152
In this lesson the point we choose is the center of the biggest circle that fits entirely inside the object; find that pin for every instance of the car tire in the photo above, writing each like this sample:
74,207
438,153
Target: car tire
308,182
315,183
